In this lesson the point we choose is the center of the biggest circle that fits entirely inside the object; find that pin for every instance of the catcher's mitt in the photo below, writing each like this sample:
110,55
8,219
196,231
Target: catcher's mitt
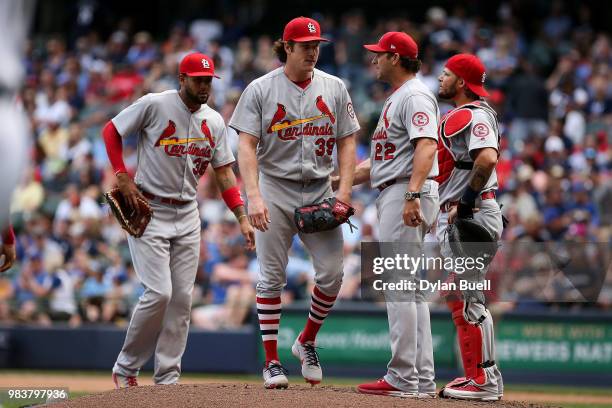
469,239
133,222
323,216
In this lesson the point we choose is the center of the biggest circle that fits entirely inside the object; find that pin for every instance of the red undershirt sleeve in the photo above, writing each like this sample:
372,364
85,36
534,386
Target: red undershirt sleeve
114,147
8,236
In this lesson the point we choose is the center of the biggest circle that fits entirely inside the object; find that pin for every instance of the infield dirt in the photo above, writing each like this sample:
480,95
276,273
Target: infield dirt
250,395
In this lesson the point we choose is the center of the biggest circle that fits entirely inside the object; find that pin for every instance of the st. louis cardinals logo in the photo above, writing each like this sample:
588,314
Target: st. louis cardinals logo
174,146
205,63
312,28
420,119
288,129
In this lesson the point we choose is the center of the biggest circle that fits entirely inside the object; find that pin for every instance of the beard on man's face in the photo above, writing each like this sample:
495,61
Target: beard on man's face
195,97
449,93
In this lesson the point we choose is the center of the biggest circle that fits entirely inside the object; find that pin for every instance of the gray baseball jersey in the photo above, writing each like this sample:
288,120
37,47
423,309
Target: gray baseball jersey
15,17
297,128
175,145
410,113
482,131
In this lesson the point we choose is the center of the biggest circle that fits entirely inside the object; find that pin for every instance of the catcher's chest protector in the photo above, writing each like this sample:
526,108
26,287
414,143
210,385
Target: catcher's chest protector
453,124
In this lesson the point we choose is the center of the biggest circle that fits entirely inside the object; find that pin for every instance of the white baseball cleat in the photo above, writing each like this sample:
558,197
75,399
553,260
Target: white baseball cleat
469,390
275,375
309,358
122,381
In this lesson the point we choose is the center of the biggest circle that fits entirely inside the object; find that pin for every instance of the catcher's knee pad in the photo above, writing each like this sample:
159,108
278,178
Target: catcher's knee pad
474,310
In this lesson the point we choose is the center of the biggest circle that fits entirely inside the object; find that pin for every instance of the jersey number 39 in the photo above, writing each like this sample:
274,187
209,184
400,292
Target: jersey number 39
325,146
199,167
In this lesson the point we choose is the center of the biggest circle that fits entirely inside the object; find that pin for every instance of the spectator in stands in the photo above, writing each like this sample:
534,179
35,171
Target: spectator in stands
142,53
31,289
77,207
526,104
62,298
93,295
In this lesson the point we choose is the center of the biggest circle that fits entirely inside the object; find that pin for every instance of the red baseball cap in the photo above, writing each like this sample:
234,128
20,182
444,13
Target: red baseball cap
302,29
197,64
396,42
471,69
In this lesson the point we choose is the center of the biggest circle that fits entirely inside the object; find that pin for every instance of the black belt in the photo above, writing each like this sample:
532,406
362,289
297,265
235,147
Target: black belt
393,181
164,200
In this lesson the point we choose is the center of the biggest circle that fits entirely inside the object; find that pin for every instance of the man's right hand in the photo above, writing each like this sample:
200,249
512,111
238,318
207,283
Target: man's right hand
8,250
129,190
259,216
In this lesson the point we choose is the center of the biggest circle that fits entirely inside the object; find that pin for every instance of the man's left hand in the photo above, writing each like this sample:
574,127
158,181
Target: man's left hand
412,213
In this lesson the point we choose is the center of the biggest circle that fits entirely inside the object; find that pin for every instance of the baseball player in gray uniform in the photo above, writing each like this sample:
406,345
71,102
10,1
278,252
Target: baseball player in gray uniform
15,17
469,148
402,166
178,137
289,122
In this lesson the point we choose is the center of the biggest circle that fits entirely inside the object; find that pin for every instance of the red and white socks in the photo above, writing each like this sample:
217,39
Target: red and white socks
320,305
269,313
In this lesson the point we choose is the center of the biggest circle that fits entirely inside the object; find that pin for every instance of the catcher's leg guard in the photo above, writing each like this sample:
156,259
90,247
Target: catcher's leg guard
470,342
482,379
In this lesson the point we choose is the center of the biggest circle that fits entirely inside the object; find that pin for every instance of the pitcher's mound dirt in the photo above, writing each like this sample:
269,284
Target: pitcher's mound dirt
250,395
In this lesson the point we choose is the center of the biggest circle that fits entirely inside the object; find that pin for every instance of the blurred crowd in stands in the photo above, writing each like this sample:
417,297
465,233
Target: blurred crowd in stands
552,90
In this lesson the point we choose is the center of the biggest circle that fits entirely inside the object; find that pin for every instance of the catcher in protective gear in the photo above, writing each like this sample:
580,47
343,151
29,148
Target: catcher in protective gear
134,221
323,216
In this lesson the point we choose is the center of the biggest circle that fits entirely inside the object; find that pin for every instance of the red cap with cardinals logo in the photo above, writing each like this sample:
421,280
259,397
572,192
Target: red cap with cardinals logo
197,64
396,42
471,69
302,29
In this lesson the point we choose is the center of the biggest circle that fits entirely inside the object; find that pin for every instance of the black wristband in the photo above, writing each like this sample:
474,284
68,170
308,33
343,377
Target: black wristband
469,196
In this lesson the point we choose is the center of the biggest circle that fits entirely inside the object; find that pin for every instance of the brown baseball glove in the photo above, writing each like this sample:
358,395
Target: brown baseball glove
134,222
